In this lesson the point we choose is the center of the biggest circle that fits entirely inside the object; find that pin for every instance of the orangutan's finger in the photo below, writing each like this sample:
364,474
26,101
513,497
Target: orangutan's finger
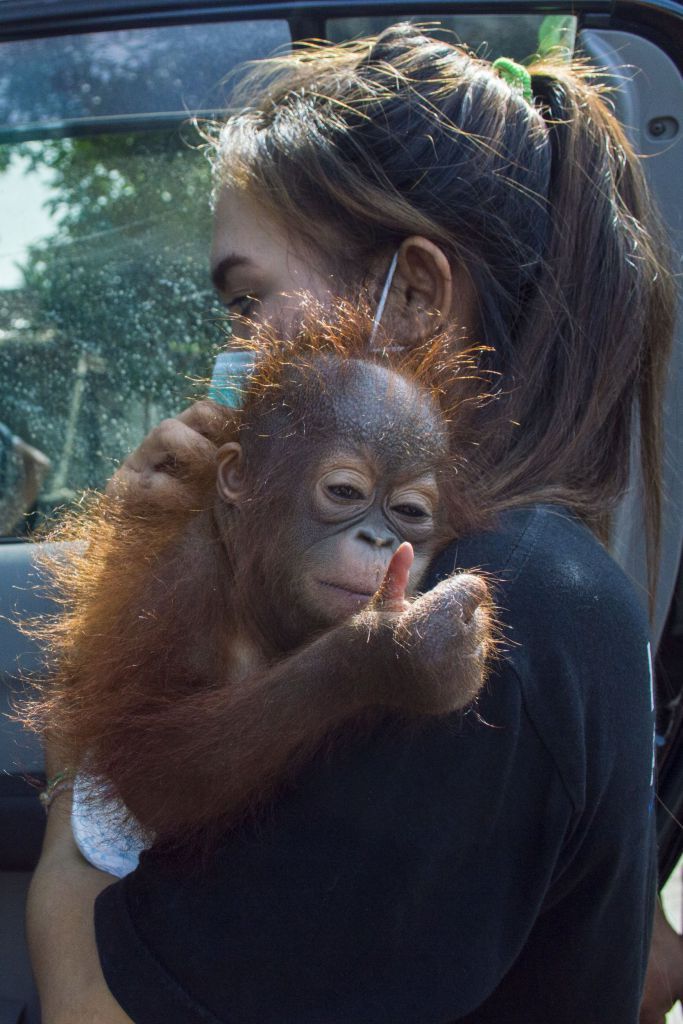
392,593
207,418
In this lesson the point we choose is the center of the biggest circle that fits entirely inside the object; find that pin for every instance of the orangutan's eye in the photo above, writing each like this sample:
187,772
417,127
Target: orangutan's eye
410,511
345,491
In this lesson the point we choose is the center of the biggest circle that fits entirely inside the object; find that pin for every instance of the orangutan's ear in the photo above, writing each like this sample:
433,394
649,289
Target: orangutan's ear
231,480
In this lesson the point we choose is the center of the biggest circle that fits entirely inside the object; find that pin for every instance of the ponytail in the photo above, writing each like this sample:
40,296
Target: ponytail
592,349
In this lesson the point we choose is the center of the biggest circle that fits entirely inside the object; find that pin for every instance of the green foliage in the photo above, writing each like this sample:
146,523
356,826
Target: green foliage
116,313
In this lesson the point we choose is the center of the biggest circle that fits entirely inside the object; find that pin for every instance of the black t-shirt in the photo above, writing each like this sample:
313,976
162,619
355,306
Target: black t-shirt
496,866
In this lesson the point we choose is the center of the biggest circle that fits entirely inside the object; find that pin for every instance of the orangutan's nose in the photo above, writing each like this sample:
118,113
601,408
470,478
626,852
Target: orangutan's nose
377,538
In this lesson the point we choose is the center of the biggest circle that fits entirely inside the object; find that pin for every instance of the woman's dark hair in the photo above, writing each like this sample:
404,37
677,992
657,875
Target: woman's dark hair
544,206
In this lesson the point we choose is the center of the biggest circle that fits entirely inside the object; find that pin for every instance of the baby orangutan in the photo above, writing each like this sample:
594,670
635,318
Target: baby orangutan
205,653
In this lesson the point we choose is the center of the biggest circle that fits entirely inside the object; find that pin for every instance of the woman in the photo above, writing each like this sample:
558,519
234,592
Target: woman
499,868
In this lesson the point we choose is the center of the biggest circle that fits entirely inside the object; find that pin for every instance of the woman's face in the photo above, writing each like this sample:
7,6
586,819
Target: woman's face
260,273
256,269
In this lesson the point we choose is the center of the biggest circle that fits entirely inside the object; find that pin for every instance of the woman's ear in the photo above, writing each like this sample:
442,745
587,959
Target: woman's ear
427,293
423,286
231,479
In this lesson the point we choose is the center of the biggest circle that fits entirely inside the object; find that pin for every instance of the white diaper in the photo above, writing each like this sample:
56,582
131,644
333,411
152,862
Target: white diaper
104,832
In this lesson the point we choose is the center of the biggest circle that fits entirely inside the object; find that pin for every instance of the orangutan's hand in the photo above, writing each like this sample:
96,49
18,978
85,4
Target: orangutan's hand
434,649
159,473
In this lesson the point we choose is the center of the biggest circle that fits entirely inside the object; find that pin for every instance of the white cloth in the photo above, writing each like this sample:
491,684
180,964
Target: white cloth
104,832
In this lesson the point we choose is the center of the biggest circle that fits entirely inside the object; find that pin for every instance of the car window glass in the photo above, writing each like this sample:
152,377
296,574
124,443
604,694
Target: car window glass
517,36
106,314
67,79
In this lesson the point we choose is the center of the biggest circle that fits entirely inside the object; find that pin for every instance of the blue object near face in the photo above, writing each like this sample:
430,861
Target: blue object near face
230,373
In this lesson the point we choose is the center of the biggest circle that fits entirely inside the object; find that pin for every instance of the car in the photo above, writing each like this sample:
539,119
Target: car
107,321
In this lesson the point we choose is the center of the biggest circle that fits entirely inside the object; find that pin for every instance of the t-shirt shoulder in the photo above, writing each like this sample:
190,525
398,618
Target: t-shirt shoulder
555,586
544,556
570,621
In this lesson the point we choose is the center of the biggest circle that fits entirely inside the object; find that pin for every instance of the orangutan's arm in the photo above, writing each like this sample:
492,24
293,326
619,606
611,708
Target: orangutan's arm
230,747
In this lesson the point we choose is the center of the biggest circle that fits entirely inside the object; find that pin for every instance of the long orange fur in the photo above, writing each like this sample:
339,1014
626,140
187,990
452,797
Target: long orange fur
139,653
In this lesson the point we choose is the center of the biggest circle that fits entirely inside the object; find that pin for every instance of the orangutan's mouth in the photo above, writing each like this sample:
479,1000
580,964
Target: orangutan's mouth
363,595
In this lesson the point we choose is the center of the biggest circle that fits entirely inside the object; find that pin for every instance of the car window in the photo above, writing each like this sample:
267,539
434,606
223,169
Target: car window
106,316
517,36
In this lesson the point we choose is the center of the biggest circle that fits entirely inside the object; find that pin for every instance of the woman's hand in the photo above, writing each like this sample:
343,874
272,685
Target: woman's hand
664,978
161,469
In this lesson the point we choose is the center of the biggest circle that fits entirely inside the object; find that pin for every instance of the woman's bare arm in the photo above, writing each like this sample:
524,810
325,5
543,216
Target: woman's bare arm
664,979
60,927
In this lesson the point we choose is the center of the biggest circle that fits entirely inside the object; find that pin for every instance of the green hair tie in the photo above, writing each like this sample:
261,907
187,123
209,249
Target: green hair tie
516,76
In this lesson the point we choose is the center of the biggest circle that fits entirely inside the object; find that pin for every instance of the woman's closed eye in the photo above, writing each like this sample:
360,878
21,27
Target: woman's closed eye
242,305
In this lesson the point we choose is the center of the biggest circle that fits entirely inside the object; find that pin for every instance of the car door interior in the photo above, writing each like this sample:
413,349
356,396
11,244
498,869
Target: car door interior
21,773
649,101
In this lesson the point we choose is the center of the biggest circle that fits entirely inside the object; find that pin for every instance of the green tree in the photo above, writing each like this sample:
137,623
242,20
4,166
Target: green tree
117,311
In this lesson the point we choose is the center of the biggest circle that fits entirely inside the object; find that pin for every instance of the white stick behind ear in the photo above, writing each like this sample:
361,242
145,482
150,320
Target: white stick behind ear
383,300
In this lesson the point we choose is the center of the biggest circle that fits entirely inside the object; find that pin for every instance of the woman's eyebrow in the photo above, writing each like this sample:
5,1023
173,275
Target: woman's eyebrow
220,271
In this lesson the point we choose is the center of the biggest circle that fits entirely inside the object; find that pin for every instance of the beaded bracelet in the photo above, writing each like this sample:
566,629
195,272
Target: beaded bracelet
62,782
